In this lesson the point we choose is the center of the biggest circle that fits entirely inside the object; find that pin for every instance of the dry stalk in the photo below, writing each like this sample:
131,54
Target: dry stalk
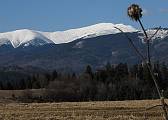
163,105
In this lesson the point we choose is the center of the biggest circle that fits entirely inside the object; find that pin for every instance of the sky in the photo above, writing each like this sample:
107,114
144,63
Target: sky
60,15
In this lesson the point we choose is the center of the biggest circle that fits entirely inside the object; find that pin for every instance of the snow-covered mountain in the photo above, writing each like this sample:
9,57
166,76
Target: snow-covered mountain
26,37
93,45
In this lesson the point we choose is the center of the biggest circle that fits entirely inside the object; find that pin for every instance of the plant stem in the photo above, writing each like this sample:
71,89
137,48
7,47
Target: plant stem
147,42
143,28
148,63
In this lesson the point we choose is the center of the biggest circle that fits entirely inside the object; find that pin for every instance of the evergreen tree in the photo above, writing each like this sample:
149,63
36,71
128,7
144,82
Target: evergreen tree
89,71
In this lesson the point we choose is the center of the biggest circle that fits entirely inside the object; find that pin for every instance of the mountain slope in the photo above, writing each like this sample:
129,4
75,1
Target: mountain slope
97,45
73,56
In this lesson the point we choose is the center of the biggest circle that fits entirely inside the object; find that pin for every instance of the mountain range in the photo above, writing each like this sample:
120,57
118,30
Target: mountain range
73,49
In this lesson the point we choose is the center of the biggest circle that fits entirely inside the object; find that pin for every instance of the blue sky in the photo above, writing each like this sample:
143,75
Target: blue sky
58,15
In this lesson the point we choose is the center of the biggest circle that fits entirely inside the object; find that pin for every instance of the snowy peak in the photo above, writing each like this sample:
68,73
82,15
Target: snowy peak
19,37
84,32
105,29
27,37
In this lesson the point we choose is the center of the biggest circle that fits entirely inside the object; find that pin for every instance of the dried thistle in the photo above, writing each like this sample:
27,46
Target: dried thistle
134,12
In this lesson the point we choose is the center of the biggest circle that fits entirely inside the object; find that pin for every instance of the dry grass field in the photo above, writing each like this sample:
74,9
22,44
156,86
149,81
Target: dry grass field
117,110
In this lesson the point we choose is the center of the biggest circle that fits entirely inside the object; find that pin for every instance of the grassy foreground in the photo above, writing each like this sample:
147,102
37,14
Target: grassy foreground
115,110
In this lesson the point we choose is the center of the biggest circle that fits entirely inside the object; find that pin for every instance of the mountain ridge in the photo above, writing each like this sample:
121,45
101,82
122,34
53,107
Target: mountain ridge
23,36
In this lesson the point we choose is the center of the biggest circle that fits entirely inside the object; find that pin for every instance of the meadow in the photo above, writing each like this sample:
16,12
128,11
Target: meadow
109,110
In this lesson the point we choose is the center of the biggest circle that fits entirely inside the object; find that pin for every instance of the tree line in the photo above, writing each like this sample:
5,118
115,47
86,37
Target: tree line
113,82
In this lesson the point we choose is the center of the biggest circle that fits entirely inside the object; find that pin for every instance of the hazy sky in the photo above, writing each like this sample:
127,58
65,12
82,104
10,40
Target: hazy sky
56,15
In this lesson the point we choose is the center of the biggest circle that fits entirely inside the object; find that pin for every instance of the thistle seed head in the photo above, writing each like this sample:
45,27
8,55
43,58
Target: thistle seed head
134,12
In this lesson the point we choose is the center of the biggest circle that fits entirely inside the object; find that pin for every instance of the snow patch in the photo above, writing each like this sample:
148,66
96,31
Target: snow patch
79,44
161,34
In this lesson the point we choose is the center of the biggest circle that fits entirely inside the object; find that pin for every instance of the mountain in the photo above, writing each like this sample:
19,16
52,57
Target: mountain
73,49
29,37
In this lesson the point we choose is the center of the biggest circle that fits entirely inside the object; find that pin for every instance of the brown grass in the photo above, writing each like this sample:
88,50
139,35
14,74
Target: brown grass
115,110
